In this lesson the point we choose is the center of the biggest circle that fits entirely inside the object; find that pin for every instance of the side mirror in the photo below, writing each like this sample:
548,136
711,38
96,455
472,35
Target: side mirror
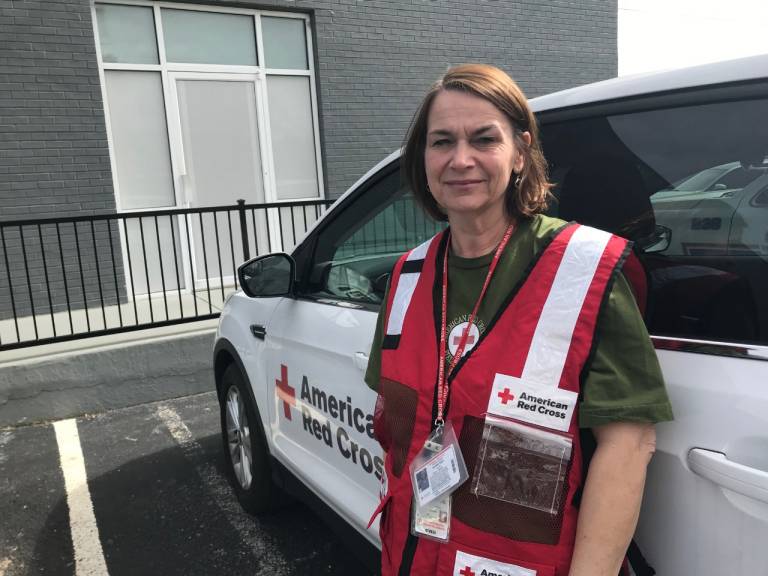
268,276
719,187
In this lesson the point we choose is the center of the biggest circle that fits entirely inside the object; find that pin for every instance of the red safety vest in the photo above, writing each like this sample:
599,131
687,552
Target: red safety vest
540,340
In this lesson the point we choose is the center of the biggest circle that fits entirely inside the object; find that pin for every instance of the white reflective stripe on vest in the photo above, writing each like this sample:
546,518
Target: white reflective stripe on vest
420,252
404,292
554,331
535,397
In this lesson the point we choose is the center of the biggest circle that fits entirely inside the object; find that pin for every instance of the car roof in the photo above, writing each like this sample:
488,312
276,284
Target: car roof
742,69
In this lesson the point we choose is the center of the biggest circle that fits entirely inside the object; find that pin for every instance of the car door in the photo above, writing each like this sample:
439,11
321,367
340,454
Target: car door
705,510
322,414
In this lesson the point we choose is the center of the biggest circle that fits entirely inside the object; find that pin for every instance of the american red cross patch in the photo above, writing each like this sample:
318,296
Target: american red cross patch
471,565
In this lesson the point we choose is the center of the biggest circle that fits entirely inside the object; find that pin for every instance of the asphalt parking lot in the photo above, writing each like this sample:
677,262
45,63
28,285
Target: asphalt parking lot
159,498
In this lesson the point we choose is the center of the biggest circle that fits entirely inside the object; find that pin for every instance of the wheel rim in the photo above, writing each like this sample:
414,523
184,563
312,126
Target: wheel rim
239,438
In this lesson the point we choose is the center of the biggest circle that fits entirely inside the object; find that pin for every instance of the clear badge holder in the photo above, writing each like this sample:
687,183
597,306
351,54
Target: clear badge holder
522,465
439,469
433,521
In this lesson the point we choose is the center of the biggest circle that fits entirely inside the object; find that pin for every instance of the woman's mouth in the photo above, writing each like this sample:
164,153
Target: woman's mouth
467,182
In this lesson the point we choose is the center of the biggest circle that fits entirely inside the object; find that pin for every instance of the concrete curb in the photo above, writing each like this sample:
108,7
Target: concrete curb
99,379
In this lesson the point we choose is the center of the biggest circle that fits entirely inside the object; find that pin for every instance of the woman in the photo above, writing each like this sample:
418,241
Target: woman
489,333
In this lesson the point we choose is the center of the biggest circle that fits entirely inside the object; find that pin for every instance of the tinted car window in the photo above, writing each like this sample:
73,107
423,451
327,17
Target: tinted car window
688,186
739,177
356,251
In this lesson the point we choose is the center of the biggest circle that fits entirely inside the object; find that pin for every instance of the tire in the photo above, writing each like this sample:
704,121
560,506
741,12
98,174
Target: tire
245,448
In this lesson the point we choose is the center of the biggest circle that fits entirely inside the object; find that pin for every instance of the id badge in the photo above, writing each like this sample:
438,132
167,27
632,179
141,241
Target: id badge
522,465
439,468
432,521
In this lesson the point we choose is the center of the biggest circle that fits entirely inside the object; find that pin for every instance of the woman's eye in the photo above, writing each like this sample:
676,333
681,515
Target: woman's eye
440,143
485,140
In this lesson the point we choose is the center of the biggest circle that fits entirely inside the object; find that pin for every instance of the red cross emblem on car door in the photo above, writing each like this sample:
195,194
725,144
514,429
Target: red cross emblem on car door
286,393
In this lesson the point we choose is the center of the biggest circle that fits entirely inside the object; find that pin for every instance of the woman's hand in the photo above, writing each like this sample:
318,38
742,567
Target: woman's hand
613,492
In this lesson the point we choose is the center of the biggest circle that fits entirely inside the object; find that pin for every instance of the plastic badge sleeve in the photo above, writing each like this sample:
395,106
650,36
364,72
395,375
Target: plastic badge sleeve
439,468
433,521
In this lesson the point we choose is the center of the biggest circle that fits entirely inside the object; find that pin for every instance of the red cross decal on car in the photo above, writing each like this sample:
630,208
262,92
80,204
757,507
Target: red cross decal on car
506,396
467,571
286,393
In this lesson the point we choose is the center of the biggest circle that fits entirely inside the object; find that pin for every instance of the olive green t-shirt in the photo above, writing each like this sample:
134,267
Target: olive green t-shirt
624,382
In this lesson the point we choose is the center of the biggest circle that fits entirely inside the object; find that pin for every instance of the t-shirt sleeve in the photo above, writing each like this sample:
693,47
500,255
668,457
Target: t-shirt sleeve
373,371
624,382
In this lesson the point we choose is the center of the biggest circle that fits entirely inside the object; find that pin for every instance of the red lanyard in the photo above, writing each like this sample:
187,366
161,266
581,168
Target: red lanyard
442,374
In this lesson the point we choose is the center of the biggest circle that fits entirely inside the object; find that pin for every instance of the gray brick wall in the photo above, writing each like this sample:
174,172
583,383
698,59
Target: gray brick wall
54,159
374,59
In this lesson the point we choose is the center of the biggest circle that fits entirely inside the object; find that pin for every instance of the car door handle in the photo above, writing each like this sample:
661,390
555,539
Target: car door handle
716,467
361,360
259,331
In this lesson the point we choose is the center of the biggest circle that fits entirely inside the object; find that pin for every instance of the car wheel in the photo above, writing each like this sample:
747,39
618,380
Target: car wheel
245,447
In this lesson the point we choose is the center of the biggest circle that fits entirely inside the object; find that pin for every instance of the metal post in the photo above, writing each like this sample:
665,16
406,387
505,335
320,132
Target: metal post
243,229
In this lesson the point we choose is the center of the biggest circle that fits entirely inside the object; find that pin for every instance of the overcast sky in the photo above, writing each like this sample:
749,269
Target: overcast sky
663,34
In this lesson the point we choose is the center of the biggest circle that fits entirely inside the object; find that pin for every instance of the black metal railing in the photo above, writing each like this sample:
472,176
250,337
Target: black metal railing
68,278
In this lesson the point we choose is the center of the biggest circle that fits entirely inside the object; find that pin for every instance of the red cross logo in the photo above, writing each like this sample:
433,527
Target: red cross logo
506,396
467,571
285,392
457,340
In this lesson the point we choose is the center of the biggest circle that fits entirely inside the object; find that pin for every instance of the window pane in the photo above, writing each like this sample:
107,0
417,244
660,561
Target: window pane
691,199
285,44
220,139
127,34
209,38
293,137
140,139
355,253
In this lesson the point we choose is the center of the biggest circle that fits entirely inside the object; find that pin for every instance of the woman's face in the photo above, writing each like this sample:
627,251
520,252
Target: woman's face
470,154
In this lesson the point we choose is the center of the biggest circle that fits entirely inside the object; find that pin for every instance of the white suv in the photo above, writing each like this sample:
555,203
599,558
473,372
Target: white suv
292,346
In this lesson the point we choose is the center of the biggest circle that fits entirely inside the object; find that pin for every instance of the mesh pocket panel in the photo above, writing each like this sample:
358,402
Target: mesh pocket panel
380,430
400,404
496,516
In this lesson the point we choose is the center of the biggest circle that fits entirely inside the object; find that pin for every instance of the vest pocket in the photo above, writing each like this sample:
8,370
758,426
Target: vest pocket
397,417
506,519
467,561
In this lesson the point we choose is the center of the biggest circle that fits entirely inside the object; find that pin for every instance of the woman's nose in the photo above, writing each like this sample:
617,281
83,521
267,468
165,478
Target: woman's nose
462,156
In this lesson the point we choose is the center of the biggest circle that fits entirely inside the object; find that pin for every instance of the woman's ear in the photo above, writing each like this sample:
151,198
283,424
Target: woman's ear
520,161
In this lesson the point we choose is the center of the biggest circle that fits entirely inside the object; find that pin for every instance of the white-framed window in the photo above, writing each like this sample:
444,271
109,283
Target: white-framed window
205,105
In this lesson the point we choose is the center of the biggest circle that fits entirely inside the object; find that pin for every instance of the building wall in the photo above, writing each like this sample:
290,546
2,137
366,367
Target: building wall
54,159
374,59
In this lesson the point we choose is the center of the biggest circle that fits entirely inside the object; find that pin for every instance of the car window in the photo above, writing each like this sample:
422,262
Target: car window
761,199
739,178
354,254
688,186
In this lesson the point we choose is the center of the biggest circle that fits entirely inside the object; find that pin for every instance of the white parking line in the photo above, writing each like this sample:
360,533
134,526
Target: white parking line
247,528
89,557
